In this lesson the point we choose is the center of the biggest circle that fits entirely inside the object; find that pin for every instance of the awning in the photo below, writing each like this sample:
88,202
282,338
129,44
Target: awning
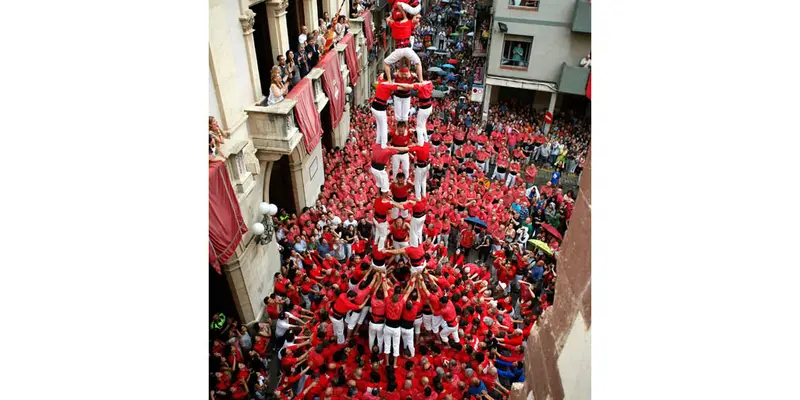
333,85
225,223
351,57
306,114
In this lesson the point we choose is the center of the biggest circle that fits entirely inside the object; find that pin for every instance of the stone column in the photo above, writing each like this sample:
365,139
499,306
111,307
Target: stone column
551,108
276,23
341,132
361,91
312,16
238,285
487,101
247,19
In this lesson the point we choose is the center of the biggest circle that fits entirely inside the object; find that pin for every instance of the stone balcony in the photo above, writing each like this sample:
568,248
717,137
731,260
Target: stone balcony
573,80
273,128
582,19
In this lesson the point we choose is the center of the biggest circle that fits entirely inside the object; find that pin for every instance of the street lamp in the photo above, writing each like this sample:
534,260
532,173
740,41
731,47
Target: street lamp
264,230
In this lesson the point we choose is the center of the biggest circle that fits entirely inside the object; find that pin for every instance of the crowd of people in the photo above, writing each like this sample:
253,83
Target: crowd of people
429,255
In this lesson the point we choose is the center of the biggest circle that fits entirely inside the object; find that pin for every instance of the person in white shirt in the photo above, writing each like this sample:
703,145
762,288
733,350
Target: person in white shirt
323,221
303,35
586,62
334,221
351,221
283,325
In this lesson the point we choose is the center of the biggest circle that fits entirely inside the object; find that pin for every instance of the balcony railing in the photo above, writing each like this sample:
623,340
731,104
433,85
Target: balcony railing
582,21
573,80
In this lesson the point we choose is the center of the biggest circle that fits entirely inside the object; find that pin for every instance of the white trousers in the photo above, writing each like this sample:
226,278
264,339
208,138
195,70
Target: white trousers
400,245
391,341
415,233
355,317
422,124
375,332
381,232
411,10
381,178
447,331
338,329
416,270
402,106
427,321
497,175
484,166
381,127
436,323
399,54
396,213
511,179
400,161
421,181
408,339
417,326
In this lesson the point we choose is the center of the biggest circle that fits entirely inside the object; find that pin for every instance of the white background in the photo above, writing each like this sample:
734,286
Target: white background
104,200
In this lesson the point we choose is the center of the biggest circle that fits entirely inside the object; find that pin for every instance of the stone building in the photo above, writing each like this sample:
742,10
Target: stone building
535,50
265,151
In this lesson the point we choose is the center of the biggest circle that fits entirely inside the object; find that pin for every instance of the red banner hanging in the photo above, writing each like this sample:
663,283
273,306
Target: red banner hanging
589,87
333,84
351,57
306,114
368,29
225,223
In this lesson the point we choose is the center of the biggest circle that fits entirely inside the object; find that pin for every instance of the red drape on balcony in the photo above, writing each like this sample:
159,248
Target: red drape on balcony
306,113
351,57
333,84
589,87
225,223
368,29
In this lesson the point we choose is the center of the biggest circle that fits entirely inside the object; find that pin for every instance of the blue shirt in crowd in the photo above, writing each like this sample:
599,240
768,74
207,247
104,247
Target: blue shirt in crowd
555,178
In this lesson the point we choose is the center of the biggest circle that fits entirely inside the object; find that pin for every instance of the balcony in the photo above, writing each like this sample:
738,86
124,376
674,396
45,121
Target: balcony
573,80
582,21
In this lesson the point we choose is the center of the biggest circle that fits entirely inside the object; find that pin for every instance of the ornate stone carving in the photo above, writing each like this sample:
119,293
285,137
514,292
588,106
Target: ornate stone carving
247,20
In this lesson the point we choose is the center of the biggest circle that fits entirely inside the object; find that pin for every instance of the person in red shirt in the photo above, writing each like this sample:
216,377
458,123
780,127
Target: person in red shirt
400,140
418,214
399,231
402,97
424,109
513,170
377,317
402,28
407,318
383,92
391,332
342,305
380,158
383,206
422,157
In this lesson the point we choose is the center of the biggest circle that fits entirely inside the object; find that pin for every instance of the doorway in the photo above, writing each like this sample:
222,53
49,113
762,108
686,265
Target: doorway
264,57
327,127
220,297
280,186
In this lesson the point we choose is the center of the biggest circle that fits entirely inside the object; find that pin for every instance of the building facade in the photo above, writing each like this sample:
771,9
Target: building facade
265,154
535,49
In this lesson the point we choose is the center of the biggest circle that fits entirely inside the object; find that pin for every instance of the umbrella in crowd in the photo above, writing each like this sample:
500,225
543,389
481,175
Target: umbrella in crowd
452,61
453,34
451,77
541,246
435,69
553,231
475,221
463,28
471,34
432,48
449,66
441,72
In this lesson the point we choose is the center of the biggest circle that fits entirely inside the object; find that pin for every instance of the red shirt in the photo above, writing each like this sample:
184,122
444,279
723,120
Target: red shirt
416,254
399,234
449,312
382,208
384,90
410,315
424,90
399,140
393,311
422,153
400,191
381,155
343,304
401,30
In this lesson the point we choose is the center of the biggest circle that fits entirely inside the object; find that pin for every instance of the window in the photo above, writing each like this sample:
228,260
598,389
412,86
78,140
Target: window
516,52
532,4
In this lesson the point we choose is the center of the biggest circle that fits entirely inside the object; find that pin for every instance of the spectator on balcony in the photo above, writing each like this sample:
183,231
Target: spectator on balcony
276,88
312,51
586,62
301,61
303,37
341,28
294,72
286,73
517,54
